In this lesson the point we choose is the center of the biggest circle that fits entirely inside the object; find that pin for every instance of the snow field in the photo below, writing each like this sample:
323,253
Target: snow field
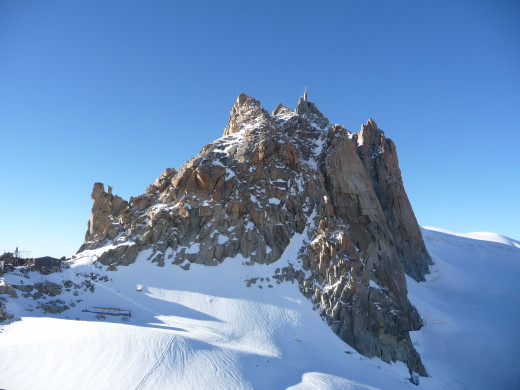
204,329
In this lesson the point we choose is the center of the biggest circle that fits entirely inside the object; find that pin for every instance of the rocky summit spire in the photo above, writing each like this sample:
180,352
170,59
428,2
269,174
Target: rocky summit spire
309,111
245,108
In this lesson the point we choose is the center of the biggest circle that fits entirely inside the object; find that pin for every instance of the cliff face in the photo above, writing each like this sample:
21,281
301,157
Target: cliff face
269,178
379,158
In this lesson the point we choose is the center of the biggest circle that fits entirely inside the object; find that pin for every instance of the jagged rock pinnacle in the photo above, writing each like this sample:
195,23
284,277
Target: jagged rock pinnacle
310,112
245,108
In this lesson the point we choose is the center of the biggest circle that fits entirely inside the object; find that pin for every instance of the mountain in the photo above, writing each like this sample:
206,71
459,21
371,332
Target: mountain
269,179
241,269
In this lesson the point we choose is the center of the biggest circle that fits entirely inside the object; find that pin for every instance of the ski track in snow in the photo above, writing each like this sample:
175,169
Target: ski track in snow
158,363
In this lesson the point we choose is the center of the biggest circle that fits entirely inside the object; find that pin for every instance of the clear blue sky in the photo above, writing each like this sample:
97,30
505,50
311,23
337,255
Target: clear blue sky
117,91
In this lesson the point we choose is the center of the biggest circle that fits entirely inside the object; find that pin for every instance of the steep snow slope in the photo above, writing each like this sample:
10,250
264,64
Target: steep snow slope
204,328
471,307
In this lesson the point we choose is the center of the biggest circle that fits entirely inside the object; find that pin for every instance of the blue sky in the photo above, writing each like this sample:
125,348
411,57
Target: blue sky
117,91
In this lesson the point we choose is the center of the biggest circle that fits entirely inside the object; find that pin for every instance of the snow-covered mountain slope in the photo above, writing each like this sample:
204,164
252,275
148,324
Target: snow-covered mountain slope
205,329
470,305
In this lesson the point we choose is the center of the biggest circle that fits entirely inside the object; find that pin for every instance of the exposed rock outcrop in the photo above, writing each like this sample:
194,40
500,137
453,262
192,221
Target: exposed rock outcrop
105,211
309,111
7,289
39,290
379,158
246,112
3,314
53,307
272,178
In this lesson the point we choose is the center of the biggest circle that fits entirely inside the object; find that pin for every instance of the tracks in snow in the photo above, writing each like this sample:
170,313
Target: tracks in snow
158,362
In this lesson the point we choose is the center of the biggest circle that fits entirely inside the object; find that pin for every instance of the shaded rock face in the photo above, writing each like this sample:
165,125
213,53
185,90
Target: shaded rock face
273,178
54,307
3,315
379,158
8,290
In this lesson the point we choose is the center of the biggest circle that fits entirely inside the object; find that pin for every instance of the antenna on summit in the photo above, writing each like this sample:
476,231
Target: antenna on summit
305,94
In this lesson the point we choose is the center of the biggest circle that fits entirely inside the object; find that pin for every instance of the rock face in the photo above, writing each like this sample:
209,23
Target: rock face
3,315
8,290
105,211
379,158
270,179
309,111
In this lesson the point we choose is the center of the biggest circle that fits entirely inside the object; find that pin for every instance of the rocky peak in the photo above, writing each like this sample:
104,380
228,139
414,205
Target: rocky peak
103,218
368,133
275,180
247,112
310,112
283,111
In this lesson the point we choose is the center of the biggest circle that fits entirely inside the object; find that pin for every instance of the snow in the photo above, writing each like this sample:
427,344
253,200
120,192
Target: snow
316,380
194,248
373,284
217,163
274,201
470,304
286,115
86,257
203,328
226,143
222,239
483,236
229,173
298,181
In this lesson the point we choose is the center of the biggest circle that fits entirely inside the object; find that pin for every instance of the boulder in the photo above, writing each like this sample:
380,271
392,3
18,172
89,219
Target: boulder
8,290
